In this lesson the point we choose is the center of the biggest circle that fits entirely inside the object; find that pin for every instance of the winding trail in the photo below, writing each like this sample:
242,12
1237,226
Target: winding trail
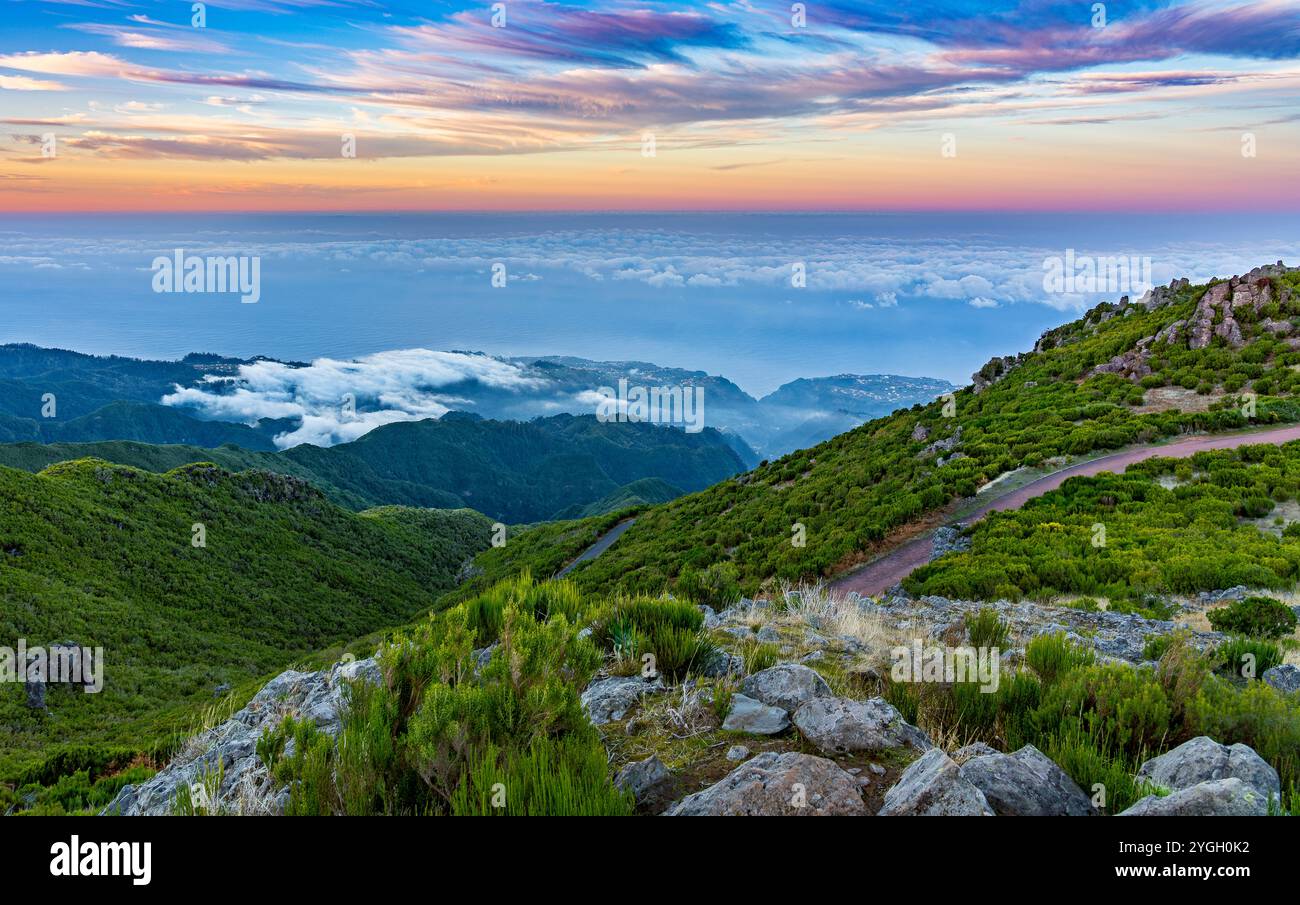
603,543
892,567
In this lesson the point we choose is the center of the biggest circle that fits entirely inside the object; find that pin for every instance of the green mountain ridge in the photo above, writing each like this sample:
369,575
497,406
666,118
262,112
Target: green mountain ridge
517,472
104,555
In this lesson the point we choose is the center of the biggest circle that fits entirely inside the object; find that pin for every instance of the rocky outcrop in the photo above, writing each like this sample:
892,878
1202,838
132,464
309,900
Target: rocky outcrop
1285,678
222,763
1119,636
1221,311
1159,296
755,717
947,540
1216,798
772,784
843,725
607,700
786,685
1203,759
1026,784
933,787
994,370
944,445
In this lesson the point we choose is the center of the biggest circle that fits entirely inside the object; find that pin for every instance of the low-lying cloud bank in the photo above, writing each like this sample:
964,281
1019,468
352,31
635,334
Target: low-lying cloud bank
338,401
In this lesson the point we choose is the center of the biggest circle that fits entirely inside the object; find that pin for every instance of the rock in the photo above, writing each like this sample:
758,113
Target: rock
1026,784
768,635
920,433
1285,678
35,689
841,725
813,657
737,752
606,700
231,747
947,540
724,664
1203,759
711,619
772,784
483,656
1216,798
786,685
755,717
994,370
933,787
876,769
642,777
947,444
975,749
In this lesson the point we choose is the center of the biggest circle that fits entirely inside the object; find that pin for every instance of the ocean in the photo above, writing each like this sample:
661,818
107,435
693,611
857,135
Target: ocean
759,298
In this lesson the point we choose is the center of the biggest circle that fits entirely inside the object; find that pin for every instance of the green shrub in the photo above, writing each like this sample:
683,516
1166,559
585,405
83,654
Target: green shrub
429,739
1122,708
1051,656
1257,715
563,777
1155,646
717,586
1247,657
758,655
671,631
985,629
1106,778
1255,617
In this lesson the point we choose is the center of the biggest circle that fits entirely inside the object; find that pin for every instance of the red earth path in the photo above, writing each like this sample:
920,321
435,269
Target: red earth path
890,568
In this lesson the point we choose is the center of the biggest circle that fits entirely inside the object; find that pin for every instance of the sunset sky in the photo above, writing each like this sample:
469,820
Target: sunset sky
747,111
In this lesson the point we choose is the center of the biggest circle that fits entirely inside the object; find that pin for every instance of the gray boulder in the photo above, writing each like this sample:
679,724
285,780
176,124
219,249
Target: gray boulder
772,784
606,700
642,777
737,752
841,725
1215,798
974,749
1203,759
1026,784
223,761
1285,678
755,717
786,685
933,787
723,664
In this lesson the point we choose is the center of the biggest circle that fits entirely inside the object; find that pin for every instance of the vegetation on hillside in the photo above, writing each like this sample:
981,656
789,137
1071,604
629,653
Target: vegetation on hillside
449,734
1101,721
105,556
513,471
1165,526
844,497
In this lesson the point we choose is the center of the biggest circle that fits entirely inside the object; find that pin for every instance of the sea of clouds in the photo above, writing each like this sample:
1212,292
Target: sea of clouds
406,385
